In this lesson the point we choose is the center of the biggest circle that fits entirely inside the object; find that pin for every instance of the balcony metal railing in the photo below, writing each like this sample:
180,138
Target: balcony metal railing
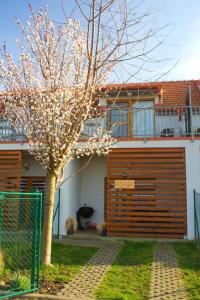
8,133
152,122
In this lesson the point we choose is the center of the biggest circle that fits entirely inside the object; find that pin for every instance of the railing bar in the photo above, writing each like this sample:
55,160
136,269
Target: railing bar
147,121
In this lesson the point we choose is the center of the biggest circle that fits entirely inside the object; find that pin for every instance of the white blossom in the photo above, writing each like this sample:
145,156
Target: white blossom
50,92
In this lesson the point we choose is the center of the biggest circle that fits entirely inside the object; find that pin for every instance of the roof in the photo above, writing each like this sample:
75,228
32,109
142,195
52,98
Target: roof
171,93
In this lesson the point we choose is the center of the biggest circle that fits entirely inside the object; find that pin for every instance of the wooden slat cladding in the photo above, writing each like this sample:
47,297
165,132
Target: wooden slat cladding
29,183
10,170
157,205
10,180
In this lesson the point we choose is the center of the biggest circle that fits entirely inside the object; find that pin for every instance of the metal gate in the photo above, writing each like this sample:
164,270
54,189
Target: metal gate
20,242
154,205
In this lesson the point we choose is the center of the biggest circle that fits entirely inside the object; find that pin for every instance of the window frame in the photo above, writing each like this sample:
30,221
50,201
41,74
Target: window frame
130,102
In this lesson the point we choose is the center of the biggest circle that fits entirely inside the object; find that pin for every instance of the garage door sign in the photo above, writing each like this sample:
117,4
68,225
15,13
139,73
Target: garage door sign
124,184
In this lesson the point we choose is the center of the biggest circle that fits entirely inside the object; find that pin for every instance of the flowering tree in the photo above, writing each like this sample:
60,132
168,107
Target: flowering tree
52,88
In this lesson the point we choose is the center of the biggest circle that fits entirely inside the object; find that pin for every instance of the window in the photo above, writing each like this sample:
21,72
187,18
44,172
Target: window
143,118
118,118
131,118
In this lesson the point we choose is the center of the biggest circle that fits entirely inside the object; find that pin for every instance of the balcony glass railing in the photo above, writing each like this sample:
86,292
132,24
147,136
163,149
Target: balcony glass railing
148,122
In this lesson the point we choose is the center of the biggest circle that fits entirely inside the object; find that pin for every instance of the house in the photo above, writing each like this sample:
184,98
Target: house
157,127
144,188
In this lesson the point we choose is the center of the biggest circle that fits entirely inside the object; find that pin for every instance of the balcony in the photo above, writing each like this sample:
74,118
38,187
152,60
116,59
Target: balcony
145,123
136,123
8,133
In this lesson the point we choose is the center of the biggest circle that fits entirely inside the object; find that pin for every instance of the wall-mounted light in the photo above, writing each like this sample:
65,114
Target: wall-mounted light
27,166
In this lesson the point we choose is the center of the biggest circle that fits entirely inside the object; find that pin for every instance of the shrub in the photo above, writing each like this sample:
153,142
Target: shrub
101,228
17,256
1,262
70,225
20,283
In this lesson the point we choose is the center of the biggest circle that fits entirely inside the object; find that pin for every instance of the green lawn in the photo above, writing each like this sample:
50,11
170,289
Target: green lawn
189,262
129,276
67,260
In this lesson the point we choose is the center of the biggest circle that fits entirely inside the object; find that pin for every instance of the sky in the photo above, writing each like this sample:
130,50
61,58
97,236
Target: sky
180,52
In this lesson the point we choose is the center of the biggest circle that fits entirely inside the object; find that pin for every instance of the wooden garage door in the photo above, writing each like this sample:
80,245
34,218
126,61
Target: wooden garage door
156,207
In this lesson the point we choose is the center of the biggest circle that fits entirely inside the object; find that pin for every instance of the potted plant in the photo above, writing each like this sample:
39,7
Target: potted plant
70,225
101,228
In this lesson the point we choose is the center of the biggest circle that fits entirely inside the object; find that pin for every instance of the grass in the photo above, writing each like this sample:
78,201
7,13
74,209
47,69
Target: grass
129,276
189,262
67,260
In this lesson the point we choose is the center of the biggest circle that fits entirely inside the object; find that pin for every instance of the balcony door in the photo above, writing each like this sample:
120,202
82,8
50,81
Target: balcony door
143,119
119,119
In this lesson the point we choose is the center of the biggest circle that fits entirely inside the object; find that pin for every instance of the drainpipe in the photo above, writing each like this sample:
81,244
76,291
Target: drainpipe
190,110
145,125
59,213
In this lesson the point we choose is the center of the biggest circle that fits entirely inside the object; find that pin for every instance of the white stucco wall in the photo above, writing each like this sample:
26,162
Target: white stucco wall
85,187
13,146
92,187
69,196
192,182
30,167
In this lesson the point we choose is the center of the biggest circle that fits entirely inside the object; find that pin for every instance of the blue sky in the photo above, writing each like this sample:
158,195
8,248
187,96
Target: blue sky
182,45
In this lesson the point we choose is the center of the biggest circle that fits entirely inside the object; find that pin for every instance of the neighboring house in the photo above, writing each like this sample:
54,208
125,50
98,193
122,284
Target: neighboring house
144,188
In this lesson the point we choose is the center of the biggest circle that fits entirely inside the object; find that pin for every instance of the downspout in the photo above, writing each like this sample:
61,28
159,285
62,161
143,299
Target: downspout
190,111
57,213
58,234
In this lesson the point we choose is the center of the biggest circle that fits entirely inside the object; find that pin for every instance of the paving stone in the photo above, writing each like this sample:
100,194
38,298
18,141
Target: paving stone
166,282
84,284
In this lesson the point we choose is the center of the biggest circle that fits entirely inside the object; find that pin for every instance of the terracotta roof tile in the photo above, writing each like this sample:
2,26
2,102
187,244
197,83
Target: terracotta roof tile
172,93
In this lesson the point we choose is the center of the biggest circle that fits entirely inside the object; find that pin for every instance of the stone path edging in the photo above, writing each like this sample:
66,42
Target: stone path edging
35,296
166,282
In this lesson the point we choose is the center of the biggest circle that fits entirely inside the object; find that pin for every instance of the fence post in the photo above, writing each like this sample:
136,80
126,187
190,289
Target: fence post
39,238
34,237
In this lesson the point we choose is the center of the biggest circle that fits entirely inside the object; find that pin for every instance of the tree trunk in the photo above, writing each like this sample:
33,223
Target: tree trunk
48,218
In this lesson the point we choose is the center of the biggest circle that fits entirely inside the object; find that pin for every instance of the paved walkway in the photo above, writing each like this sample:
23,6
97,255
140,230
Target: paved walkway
84,284
166,283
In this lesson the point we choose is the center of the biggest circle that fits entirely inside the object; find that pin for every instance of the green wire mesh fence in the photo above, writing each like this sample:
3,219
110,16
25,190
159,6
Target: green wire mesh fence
20,242
197,216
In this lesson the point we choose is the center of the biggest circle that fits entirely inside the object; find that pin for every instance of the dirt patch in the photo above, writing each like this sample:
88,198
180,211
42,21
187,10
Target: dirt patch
4,285
50,287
